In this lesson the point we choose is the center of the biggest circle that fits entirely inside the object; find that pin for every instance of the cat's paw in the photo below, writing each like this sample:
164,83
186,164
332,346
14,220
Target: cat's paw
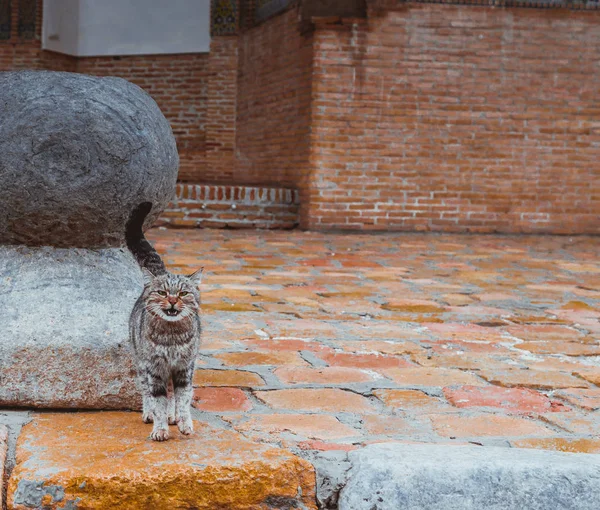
147,417
185,426
159,435
172,420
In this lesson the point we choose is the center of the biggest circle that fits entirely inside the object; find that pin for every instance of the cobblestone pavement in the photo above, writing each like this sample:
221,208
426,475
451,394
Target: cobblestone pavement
327,341
321,342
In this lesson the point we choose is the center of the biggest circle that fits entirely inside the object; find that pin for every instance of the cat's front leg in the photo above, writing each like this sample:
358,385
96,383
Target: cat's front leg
147,410
182,383
144,387
171,404
160,406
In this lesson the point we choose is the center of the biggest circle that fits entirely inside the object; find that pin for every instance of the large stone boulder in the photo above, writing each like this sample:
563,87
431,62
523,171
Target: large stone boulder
77,153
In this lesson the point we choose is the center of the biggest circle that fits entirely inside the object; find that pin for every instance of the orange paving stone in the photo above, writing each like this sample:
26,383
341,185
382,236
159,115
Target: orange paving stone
243,379
304,399
486,425
414,401
288,344
325,375
576,423
590,374
467,360
221,399
367,361
413,306
313,426
560,444
545,333
586,398
379,346
323,446
210,469
260,358
382,425
567,348
515,400
424,376
536,379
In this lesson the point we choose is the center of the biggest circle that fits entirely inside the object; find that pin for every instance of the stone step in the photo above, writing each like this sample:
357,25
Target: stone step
107,461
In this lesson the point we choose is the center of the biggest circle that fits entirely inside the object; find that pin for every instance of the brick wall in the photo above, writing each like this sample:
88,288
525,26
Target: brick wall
220,206
178,84
21,52
273,102
421,117
457,118
221,107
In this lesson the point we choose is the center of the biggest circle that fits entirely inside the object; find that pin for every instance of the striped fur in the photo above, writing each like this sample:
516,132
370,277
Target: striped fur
165,333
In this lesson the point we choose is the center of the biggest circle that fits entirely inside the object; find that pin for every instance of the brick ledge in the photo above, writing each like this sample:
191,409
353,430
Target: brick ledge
222,206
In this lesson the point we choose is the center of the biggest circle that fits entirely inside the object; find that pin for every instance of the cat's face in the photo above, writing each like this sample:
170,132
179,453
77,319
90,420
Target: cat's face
172,297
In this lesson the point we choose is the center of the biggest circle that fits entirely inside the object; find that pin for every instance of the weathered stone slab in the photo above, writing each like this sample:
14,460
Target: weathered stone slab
77,154
426,477
106,460
64,327
3,453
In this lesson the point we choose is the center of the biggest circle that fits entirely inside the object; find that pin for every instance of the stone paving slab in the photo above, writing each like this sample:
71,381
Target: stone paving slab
107,461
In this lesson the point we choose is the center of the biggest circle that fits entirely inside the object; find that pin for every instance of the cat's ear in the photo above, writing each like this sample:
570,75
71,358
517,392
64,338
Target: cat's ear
196,277
148,276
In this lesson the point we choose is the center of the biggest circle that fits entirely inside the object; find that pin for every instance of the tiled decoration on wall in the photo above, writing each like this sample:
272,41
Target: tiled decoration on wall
27,13
5,8
224,17
266,8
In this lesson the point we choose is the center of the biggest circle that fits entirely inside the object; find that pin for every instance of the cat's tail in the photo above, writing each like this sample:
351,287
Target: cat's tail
142,250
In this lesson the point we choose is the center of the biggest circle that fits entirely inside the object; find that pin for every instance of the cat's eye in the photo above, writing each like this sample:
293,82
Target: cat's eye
183,293
161,293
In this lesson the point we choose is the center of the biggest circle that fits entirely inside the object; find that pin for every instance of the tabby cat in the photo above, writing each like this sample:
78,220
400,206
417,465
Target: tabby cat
165,332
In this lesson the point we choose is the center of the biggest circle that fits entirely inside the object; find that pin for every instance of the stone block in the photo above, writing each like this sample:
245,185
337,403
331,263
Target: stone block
423,477
105,460
64,327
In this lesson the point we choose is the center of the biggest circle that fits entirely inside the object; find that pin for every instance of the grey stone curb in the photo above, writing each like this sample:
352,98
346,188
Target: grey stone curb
390,476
